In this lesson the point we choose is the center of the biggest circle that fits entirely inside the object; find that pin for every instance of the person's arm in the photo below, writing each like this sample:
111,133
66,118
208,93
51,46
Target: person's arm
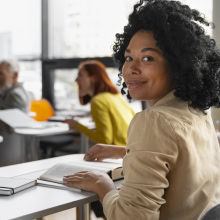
103,132
103,151
152,153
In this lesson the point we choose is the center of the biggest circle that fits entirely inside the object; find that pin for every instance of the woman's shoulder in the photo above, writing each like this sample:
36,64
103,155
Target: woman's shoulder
179,115
150,114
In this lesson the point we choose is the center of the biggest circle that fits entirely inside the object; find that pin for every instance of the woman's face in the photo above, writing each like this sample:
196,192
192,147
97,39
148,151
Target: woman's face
145,70
85,82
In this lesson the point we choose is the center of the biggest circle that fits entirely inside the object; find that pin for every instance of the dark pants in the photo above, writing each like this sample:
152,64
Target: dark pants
97,208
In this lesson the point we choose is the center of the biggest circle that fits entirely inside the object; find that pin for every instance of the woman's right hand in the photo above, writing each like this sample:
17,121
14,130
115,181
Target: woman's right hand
72,123
103,151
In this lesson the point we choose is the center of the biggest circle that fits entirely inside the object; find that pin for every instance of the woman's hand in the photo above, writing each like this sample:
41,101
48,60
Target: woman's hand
92,181
72,123
102,151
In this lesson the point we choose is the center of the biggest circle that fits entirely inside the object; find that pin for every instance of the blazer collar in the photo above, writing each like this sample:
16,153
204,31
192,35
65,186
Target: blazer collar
168,97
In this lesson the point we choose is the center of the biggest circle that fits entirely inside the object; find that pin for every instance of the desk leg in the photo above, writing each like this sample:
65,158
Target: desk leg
27,145
87,211
83,212
84,143
34,148
31,148
24,148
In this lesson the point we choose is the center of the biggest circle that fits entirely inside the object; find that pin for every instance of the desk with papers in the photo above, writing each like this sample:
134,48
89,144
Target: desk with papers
39,201
31,131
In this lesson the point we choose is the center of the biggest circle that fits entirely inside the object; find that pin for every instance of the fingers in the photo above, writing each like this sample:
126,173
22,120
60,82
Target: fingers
84,180
75,180
93,157
100,152
92,153
90,157
78,173
72,123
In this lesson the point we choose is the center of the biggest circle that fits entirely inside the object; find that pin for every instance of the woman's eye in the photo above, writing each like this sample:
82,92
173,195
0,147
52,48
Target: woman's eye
147,58
127,58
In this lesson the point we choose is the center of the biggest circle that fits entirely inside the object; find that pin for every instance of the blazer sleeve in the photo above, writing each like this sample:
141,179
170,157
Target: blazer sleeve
103,133
151,153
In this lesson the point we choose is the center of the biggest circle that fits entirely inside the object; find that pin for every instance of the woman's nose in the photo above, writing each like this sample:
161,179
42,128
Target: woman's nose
134,68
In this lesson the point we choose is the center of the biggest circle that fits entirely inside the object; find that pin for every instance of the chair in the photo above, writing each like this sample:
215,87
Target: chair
42,111
212,214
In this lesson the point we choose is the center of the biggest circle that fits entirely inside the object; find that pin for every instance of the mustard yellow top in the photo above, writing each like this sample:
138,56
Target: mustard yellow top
112,115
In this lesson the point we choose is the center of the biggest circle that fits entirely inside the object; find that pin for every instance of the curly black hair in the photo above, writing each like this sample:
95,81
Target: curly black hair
192,56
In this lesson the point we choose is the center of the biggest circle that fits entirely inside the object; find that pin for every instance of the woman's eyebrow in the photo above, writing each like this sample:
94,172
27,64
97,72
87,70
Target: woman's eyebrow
145,49
151,49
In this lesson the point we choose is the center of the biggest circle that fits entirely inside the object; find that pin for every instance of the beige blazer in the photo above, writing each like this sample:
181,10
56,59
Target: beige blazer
172,165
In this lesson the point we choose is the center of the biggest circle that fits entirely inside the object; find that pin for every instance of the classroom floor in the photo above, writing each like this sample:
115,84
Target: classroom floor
68,215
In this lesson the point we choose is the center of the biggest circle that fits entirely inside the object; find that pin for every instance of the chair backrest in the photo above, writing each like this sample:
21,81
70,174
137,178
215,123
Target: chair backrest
42,110
212,214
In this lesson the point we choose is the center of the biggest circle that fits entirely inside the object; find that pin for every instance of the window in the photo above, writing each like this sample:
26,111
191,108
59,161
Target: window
65,89
20,38
84,28
30,75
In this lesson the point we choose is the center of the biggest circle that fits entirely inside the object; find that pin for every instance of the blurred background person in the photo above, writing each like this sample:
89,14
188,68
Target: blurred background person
110,112
12,92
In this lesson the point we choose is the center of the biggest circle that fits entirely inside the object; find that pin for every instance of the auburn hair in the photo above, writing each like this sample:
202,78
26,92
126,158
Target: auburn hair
96,69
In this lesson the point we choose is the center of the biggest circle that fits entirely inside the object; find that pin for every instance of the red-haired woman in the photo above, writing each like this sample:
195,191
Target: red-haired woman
110,112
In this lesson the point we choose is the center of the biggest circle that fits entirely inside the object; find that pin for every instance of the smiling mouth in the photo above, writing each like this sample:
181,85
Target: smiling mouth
134,85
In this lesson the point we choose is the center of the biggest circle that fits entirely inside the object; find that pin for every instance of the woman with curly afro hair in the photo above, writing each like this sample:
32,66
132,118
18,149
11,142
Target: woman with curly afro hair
172,159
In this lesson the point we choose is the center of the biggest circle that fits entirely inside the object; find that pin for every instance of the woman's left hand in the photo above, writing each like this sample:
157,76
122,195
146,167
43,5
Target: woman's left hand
92,181
72,123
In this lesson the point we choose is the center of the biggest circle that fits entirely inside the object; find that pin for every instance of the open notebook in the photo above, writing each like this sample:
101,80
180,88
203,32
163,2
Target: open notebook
110,166
15,118
53,177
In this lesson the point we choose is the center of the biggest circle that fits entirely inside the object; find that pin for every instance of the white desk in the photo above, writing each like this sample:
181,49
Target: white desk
58,128
31,138
39,201
29,133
